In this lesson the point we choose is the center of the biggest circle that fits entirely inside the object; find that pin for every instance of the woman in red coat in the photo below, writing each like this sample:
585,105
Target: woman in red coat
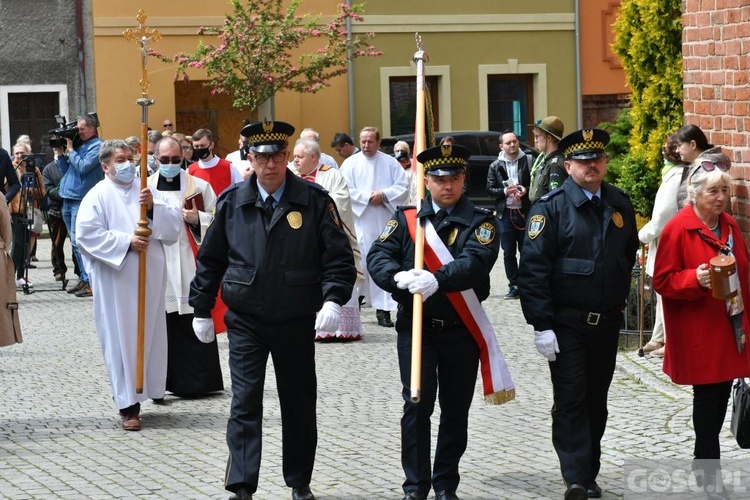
701,350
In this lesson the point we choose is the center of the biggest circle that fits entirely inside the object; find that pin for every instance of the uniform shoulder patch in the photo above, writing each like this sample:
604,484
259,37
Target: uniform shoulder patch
388,230
536,225
485,233
333,213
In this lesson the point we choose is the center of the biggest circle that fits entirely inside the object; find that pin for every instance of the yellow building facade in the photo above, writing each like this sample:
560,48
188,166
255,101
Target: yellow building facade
492,65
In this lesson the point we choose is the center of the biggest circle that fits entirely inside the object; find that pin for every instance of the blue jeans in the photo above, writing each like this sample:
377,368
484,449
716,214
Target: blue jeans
512,229
70,214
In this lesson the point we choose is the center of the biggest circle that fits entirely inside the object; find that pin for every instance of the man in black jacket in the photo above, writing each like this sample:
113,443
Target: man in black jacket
278,245
508,180
574,279
450,355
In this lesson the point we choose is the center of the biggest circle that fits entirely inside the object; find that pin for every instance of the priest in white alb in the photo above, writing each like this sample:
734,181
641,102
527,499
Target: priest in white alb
193,367
307,163
377,185
106,219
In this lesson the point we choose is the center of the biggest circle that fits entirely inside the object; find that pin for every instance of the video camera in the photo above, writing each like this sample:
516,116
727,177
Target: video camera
33,162
66,130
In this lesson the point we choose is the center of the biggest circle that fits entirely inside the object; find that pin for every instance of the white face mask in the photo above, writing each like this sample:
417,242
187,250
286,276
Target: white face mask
125,172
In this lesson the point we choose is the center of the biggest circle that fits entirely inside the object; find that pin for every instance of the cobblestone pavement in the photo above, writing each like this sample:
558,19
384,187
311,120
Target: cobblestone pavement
60,435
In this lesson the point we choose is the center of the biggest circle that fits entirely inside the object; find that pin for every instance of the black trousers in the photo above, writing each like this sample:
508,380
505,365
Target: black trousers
291,345
710,403
193,368
57,233
18,252
450,359
581,376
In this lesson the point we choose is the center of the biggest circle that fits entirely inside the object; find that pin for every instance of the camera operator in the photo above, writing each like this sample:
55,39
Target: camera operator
22,205
9,183
81,170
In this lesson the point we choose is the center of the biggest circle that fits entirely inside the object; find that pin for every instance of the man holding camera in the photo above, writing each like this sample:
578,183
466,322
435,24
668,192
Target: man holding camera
81,171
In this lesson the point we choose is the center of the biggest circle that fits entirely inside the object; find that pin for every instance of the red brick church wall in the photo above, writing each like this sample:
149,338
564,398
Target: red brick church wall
716,60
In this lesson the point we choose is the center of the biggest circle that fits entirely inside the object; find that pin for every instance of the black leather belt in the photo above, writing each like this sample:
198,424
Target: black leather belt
589,317
442,324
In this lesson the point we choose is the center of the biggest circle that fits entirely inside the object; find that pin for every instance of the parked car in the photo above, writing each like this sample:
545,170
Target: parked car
484,146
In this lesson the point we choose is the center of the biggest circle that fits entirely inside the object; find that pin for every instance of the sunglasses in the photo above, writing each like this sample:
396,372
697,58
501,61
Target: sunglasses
709,165
167,125
175,160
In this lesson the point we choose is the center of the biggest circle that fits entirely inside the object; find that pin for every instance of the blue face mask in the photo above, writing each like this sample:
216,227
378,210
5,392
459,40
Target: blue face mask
152,163
125,172
170,171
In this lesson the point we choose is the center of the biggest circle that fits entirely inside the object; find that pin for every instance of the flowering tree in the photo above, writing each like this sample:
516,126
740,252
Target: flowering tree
254,58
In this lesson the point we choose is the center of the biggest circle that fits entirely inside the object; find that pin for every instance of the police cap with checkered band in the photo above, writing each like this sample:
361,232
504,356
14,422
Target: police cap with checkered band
267,136
448,159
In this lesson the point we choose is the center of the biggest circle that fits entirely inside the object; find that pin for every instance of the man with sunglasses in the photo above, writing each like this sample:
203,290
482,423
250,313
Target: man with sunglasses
278,244
193,367
574,278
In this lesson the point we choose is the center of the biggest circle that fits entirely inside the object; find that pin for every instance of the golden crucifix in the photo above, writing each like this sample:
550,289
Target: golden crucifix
142,35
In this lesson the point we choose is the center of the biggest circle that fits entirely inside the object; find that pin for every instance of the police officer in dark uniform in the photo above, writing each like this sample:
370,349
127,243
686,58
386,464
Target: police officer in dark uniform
581,244
450,355
277,248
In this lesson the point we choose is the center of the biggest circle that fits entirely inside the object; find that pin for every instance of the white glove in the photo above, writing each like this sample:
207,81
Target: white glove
424,282
403,279
328,318
546,344
204,329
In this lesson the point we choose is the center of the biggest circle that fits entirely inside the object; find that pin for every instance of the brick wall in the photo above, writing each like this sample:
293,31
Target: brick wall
716,60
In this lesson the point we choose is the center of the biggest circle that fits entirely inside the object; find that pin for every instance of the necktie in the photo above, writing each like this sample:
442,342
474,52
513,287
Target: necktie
596,201
438,219
268,205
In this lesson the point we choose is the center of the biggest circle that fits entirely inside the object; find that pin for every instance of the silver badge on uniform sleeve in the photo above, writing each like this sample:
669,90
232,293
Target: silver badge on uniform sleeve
388,230
536,226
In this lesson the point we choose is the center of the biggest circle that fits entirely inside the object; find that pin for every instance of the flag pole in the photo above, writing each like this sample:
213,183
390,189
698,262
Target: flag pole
420,139
142,35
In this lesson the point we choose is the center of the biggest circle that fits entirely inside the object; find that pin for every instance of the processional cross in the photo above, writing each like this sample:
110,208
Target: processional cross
142,35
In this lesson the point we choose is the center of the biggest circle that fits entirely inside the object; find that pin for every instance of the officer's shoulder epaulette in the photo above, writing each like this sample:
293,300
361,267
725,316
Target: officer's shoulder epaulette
324,168
555,192
228,190
405,207
618,190
484,211
317,186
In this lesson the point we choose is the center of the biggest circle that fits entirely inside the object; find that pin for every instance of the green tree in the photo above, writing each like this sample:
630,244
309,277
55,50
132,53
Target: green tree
648,40
255,56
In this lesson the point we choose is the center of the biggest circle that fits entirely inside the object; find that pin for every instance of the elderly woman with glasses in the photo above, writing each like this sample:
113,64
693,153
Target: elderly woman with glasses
702,350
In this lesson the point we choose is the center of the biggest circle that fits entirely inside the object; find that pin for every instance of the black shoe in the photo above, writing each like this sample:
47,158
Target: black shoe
384,318
446,495
513,293
576,492
415,495
593,490
242,494
302,493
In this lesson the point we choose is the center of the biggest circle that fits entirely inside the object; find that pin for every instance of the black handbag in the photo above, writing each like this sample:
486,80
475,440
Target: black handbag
740,425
